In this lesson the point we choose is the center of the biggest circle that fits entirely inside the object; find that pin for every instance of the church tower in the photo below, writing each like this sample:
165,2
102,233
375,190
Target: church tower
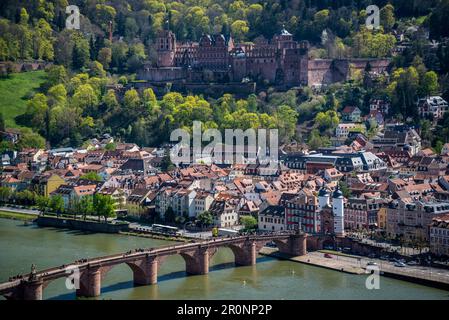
338,211
323,199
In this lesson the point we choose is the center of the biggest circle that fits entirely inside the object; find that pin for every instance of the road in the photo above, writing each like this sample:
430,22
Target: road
423,272
37,212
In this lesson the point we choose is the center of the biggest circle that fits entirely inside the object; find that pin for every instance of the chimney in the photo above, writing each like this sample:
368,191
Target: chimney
110,31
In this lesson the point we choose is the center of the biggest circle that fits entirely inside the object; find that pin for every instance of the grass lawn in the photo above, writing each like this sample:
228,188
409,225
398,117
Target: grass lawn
13,93
17,216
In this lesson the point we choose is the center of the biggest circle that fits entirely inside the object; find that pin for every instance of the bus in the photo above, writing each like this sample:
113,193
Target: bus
227,232
165,229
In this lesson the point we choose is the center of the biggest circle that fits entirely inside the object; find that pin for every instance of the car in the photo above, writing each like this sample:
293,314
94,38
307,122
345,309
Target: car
371,263
413,263
372,255
385,258
400,264
328,248
327,255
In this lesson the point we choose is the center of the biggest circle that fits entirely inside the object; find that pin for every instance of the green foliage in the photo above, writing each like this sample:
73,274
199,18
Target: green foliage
103,206
205,218
91,176
249,222
56,204
169,215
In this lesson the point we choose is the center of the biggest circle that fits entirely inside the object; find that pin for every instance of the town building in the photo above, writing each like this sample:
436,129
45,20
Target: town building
410,220
272,219
439,236
433,107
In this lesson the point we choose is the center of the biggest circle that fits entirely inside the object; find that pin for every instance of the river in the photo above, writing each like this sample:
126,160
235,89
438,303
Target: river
20,246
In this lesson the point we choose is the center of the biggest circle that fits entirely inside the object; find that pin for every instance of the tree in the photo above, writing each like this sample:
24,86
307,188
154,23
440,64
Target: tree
387,18
86,206
169,216
103,206
56,74
105,57
30,139
166,163
57,96
104,14
345,190
429,83
5,194
286,119
96,70
85,98
56,204
91,176
81,53
43,203
239,29
131,101
249,222
205,218
110,100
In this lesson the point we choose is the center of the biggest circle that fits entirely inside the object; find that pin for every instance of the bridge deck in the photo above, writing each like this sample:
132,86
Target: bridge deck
58,272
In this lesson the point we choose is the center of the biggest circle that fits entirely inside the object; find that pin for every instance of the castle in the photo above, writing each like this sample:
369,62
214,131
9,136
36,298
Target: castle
281,62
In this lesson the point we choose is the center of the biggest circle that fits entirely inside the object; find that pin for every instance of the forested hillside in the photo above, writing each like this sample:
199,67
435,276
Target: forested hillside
75,103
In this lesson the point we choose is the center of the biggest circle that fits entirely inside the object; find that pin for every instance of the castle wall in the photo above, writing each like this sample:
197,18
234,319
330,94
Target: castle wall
328,71
162,74
319,72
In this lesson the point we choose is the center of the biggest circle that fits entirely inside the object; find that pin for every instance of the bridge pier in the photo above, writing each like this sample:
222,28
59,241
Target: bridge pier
198,263
32,290
147,274
90,283
295,246
247,255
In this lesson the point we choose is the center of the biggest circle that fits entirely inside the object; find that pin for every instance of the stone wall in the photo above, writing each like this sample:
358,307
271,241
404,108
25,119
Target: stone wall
91,226
215,90
162,74
328,71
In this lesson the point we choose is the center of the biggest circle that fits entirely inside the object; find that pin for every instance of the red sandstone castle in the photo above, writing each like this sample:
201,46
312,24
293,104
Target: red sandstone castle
281,61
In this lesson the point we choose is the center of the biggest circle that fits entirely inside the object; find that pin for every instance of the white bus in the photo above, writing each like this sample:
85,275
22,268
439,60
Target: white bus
227,232
165,229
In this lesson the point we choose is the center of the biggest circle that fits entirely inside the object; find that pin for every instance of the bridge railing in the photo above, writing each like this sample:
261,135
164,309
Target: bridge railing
141,251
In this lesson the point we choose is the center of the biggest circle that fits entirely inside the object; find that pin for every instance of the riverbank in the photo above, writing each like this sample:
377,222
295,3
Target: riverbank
431,277
83,225
17,216
314,260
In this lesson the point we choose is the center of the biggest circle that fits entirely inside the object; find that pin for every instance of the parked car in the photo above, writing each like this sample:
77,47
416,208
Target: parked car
385,258
328,248
372,263
327,255
413,263
372,255
400,264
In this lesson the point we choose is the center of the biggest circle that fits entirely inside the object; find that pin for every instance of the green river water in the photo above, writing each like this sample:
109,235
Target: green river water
21,245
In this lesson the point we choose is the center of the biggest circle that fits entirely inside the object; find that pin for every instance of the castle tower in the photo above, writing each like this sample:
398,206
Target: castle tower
165,45
323,199
338,211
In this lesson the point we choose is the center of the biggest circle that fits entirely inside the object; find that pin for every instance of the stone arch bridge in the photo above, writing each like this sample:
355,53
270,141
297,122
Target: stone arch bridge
144,263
